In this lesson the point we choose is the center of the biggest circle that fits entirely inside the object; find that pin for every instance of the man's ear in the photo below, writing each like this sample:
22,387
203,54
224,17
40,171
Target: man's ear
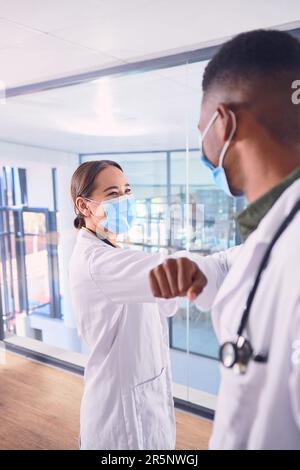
224,122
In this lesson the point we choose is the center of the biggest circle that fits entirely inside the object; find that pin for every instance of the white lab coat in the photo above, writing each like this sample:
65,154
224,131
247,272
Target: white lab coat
127,333
127,401
261,409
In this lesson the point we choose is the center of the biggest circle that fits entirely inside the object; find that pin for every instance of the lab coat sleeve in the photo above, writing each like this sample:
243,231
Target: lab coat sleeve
294,381
215,267
169,307
123,277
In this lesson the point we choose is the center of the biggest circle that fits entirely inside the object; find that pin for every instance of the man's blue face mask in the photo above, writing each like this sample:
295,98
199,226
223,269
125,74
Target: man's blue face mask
120,213
218,173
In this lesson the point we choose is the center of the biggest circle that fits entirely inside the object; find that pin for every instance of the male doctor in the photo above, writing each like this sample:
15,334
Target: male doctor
250,127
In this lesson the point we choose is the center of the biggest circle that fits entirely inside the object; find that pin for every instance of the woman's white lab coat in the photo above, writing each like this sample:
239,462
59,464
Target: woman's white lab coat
127,401
261,409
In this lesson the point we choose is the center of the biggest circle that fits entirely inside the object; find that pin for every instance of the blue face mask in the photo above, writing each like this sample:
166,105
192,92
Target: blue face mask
218,173
120,214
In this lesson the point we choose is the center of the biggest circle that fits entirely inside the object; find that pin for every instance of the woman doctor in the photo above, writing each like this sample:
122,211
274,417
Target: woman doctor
127,401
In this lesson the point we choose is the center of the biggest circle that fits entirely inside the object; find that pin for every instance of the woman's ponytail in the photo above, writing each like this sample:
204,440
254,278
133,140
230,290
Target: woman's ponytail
79,222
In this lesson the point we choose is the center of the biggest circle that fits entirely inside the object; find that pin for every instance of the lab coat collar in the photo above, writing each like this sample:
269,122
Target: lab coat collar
245,267
84,235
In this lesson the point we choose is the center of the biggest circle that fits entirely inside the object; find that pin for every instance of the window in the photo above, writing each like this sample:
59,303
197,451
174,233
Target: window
147,122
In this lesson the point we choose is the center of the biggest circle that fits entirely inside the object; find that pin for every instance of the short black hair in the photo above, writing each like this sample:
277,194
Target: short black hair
253,54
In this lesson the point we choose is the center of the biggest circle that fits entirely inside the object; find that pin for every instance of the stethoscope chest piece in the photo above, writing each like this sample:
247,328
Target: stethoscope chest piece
236,355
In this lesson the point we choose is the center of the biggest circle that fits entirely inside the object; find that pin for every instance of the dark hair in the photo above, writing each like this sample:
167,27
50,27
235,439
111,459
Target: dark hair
253,54
83,181
262,66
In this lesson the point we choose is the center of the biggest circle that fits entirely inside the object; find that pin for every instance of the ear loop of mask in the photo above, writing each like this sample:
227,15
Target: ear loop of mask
210,122
228,141
99,203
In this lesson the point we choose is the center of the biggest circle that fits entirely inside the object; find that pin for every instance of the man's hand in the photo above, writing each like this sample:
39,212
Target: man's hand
177,277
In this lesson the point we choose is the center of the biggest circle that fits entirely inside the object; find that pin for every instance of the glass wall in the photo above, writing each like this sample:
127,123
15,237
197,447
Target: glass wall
147,122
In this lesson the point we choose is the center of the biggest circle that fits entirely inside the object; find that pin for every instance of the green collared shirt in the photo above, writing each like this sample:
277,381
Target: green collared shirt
249,219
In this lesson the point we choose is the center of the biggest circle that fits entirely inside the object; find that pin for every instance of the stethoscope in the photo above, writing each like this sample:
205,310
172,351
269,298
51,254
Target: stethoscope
238,354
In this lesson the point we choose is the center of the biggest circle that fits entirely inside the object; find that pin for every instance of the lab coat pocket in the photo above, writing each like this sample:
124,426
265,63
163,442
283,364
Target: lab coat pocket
155,413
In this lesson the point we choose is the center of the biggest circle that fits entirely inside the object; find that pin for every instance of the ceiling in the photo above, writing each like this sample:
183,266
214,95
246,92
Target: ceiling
45,39
153,110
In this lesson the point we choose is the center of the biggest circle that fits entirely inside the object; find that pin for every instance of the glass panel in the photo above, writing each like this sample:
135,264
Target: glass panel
148,123
36,262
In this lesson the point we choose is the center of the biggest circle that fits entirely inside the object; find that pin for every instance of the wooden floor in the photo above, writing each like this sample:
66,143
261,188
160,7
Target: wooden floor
39,409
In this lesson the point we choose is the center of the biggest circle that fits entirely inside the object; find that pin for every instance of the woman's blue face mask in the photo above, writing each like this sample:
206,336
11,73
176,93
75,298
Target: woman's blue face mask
120,213
218,173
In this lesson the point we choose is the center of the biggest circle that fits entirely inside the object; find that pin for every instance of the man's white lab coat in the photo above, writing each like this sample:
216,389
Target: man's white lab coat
261,409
